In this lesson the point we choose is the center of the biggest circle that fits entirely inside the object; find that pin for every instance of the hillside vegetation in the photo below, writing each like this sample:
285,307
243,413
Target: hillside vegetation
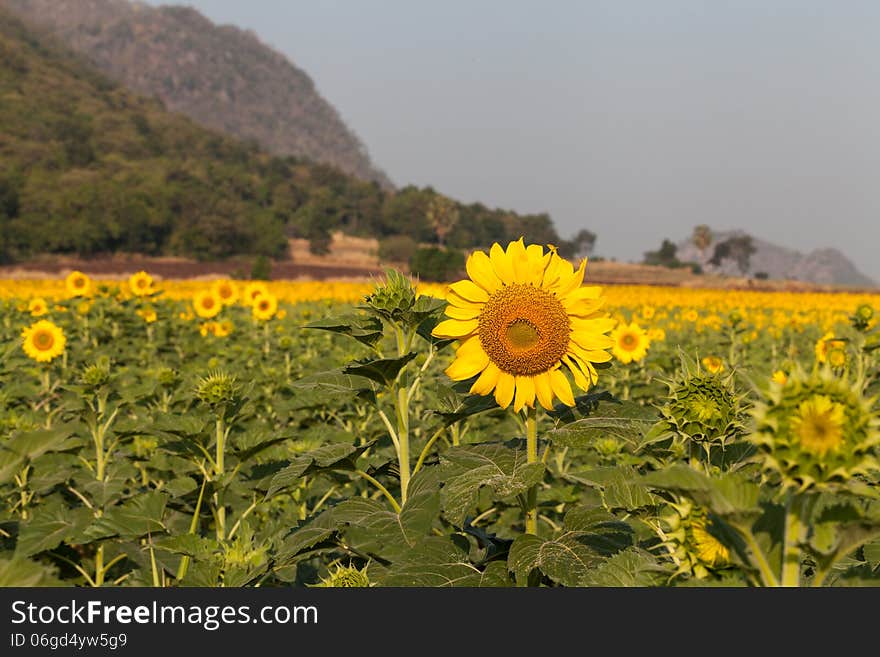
89,167
220,76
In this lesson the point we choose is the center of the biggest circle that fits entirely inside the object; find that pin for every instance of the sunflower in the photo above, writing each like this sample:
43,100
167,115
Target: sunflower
226,290
713,364
78,284
141,284
43,341
519,317
148,315
825,344
265,306
252,290
818,425
38,306
780,377
631,342
207,304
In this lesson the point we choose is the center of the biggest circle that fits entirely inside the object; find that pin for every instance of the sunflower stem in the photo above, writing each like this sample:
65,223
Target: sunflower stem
791,551
532,457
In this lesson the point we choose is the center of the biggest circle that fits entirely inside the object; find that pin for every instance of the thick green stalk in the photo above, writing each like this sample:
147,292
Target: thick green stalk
218,473
791,550
403,440
532,457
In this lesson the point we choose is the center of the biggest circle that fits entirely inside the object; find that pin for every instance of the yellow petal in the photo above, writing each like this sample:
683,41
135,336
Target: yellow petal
591,341
580,378
501,263
561,387
558,270
479,268
471,348
470,291
589,355
570,283
504,389
456,312
520,260
486,381
455,328
465,368
525,393
543,390
460,302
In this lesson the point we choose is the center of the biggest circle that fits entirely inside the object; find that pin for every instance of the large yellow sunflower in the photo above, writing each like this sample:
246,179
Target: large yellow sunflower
265,306
78,284
207,304
43,341
520,316
141,284
631,342
226,290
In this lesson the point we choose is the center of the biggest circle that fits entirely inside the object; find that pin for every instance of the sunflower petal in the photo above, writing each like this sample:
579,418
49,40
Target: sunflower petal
479,268
570,283
487,380
525,393
561,387
519,258
470,291
456,312
544,390
455,328
501,263
465,368
504,389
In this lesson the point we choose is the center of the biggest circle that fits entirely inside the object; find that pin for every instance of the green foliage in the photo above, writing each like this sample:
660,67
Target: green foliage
397,248
91,168
435,264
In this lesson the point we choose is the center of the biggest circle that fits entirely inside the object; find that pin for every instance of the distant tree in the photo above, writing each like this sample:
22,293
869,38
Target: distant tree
702,239
443,215
578,247
738,248
664,256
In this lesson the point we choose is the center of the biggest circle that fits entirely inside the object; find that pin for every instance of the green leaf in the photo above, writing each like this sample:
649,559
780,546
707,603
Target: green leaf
382,370
443,562
27,446
619,486
624,420
337,456
181,486
632,567
567,560
191,545
366,330
137,517
21,572
51,524
501,467
455,407
729,494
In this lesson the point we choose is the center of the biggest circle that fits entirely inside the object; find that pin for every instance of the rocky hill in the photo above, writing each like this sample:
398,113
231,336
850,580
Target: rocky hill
221,76
821,266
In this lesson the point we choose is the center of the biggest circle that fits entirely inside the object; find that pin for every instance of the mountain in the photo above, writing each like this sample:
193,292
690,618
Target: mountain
825,266
221,76
89,167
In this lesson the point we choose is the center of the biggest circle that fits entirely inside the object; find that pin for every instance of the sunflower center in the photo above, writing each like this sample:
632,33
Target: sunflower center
524,330
141,283
208,302
628,341
43,340
79,282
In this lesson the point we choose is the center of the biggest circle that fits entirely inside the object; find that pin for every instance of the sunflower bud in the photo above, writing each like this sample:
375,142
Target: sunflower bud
394,298
217,388
96,374
689,534
816,432
346,577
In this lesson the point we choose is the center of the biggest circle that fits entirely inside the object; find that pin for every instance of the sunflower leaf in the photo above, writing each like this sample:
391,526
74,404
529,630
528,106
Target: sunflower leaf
366,330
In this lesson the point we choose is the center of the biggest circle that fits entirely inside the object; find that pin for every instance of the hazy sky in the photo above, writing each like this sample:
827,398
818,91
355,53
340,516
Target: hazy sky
636,119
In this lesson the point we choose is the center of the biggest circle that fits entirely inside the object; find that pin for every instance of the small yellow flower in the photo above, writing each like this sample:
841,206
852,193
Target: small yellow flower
631,342
226,290
78,284
207,304
265,306
38,306
713,364
222,329
252,290
825,344
43,341
148,314
780,377
141,284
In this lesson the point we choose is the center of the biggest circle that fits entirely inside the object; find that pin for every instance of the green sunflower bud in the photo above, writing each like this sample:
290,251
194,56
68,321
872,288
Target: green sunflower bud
394,298
96,374
689,534
816,432
217,388
346,577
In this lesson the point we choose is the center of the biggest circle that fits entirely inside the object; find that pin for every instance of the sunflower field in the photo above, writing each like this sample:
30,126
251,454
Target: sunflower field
518,427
